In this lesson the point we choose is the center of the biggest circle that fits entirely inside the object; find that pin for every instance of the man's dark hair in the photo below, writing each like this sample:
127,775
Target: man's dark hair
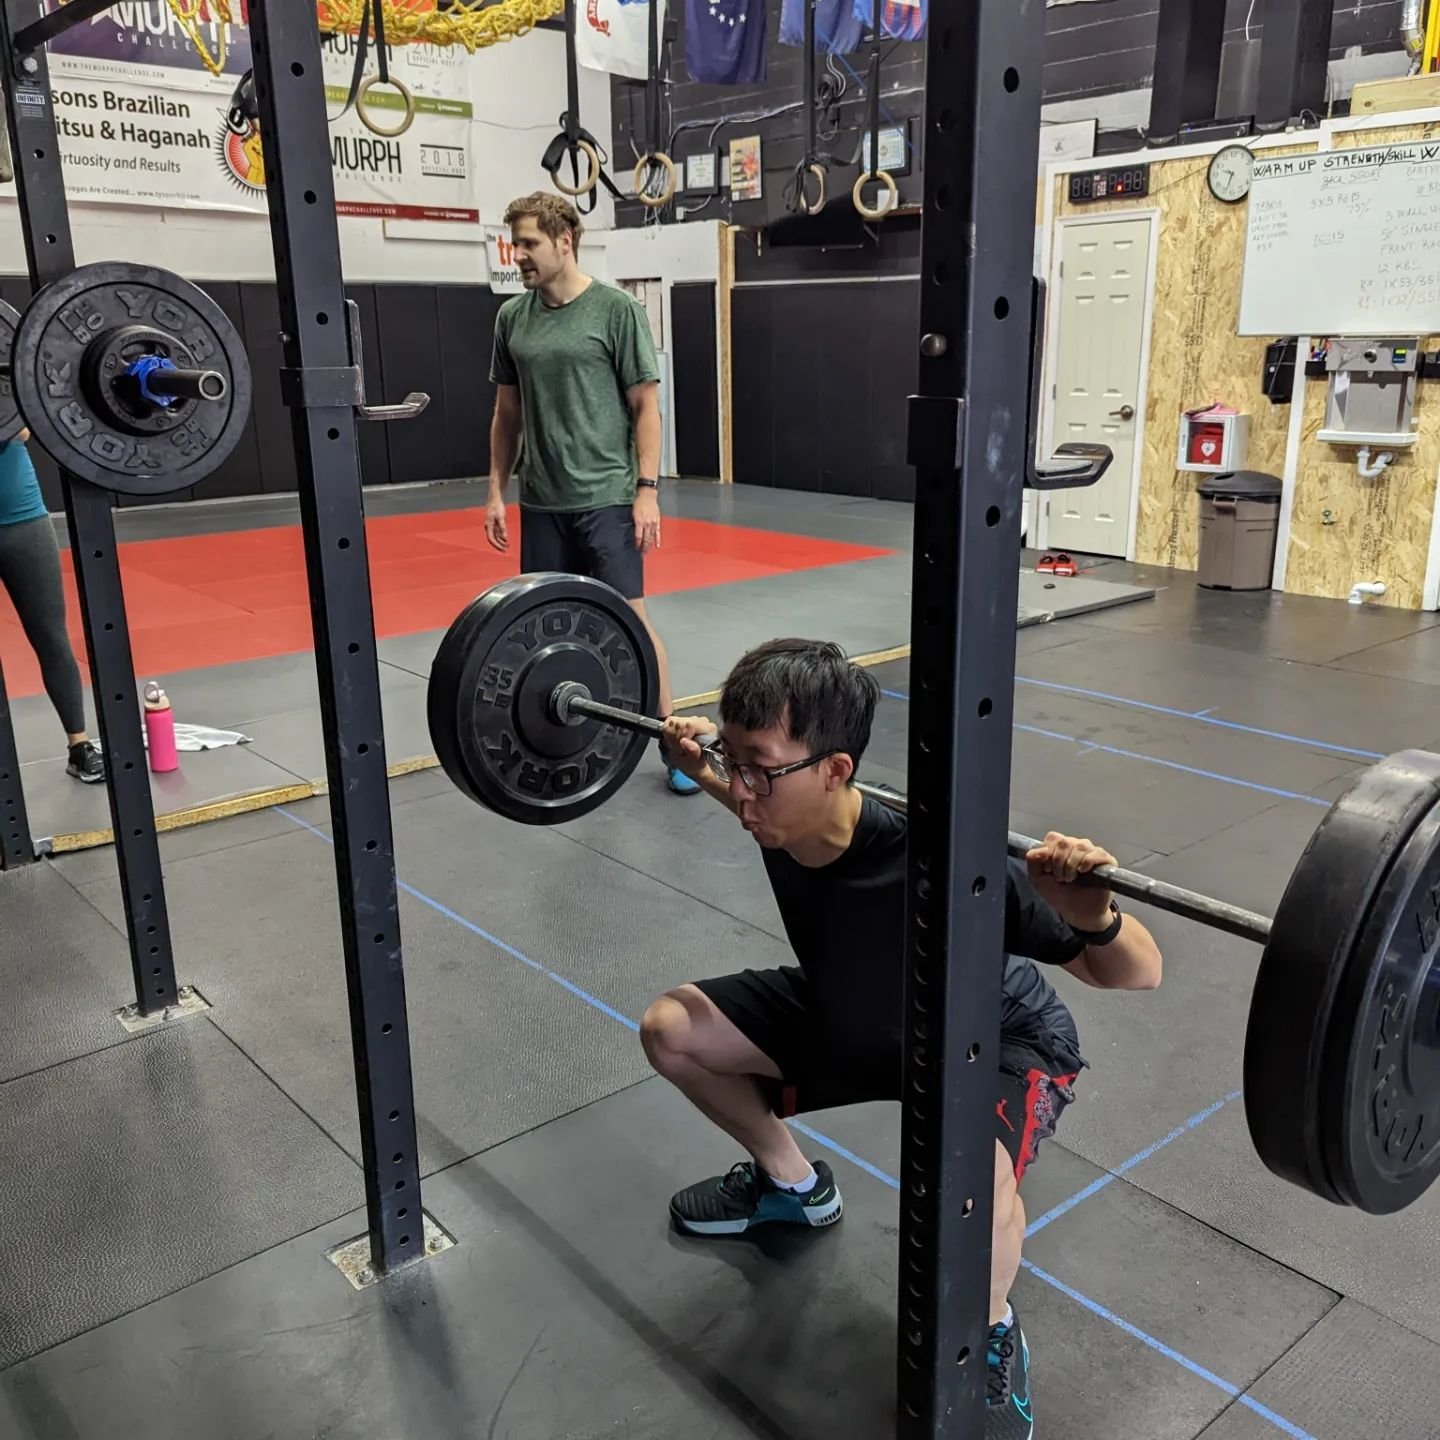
810,688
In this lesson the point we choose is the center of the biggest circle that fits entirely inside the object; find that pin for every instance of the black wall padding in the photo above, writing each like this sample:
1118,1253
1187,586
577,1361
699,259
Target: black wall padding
820,378
467,324
370,435
797,315
410,330
753,401
269,416
892,344
696,402
242,473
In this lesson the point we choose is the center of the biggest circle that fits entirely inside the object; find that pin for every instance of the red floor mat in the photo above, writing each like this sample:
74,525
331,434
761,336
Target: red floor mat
241,595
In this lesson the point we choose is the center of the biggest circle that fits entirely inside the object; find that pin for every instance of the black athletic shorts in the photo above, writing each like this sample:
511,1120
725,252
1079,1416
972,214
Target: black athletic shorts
599,543
771,1009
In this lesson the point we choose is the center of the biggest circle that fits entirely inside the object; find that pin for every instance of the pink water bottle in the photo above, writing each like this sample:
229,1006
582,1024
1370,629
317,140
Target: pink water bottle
160,730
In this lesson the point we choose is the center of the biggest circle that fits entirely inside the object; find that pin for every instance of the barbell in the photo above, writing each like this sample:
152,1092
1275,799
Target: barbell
541,704
129,376
134,379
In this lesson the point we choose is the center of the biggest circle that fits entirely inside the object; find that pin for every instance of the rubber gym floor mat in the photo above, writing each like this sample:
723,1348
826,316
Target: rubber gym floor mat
1100,725
1353,1377
256,931
1411,657
66,973
209,599
1287,627
1092,791
570,1308
134,1172
1052,597
60,805
1383,1262
1230,693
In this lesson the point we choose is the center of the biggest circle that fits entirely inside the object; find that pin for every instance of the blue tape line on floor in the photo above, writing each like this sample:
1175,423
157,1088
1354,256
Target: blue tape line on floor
1204,717
1089,746
836,1148
1100,1182
1184,1361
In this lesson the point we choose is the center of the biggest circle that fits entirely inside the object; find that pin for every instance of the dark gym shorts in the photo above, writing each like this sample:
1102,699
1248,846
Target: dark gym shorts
599,543
770,1009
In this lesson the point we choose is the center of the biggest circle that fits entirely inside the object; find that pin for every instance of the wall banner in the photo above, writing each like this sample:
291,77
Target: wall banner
500,253
141,121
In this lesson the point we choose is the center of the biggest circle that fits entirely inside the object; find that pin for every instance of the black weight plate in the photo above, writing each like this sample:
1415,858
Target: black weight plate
11,423
1381,1088
59,332
1313,943
490,686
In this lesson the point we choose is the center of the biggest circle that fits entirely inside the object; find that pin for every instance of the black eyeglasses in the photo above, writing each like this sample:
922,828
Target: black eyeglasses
755,778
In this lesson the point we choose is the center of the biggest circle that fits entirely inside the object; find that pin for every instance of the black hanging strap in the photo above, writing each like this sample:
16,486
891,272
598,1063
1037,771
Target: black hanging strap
567,142
874,83
652,85
373,12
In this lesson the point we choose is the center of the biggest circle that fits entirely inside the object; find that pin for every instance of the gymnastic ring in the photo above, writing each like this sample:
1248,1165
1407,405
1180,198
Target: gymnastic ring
660,158
882,177
588,151
362,106
802,200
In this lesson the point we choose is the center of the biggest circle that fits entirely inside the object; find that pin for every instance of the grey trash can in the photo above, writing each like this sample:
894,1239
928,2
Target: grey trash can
1239,513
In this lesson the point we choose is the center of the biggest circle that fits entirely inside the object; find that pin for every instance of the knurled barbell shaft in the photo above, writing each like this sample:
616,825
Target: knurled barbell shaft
572,698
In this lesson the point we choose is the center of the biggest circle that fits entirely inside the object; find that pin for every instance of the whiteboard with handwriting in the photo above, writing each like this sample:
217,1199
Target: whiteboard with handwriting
1344,242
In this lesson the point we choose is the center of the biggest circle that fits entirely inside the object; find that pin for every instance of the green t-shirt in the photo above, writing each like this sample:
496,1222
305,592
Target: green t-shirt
573,364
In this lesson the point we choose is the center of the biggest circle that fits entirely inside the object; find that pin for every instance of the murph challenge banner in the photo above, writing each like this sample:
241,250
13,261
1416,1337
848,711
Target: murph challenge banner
142,121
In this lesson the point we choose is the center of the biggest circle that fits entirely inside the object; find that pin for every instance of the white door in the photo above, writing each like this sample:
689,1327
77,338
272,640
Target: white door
1101,324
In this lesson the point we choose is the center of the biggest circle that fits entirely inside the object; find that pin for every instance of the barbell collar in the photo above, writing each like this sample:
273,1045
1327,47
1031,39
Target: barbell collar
572,705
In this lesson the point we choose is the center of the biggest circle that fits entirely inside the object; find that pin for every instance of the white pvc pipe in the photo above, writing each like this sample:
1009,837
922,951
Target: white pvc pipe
1366,469
1364,588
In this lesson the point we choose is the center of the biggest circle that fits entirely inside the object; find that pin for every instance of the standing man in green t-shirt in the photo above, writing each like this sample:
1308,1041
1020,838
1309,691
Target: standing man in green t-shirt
577,381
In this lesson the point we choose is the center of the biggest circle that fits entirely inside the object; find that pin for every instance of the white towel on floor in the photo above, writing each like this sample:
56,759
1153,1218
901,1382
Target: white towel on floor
194,738
202,737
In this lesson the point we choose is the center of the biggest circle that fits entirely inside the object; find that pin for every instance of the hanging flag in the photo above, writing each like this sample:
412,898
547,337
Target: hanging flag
899,19
614,36
725,41
838,27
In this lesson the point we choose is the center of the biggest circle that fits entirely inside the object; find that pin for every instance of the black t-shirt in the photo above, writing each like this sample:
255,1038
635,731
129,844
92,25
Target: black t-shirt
846,924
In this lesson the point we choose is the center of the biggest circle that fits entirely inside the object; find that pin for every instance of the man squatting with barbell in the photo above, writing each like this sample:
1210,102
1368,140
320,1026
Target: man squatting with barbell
752,1048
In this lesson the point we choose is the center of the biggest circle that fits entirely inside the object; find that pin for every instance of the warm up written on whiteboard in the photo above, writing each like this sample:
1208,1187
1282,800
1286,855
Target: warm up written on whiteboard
1344,242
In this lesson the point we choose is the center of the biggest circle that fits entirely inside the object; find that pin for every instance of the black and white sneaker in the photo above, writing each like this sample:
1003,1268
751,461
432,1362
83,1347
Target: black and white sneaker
731,1204
85,764
1009,1414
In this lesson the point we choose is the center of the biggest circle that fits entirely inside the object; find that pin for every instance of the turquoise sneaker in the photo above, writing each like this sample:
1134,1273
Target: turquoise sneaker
680,782
1009,1414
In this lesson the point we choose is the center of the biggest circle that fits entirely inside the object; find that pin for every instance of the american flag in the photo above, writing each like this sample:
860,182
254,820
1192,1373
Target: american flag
899,19
838,29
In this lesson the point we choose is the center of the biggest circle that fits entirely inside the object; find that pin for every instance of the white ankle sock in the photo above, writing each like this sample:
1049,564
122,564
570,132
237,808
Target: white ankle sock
796,1187
1007,1321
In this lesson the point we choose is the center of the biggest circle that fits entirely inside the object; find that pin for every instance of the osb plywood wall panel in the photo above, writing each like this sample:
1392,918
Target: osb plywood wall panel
1195,356
1343,528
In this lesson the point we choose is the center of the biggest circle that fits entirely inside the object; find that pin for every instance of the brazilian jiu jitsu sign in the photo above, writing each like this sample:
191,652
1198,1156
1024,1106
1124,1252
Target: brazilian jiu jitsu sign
141,121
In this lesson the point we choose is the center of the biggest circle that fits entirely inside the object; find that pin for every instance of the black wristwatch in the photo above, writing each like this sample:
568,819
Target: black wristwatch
648,484
1095,938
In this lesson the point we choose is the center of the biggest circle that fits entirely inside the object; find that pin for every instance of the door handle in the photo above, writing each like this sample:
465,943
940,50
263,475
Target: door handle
1125,412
